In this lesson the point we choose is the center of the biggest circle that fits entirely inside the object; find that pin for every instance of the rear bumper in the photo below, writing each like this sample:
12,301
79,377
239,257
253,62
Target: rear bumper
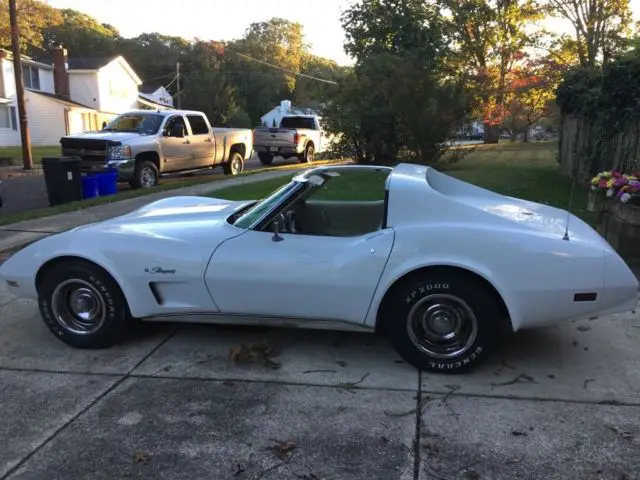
281,151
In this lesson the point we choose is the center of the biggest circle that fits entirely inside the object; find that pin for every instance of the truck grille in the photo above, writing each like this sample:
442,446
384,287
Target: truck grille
91,151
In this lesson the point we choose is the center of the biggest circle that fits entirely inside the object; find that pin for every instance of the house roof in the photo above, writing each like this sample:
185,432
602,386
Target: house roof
149,87
89,63
59,98
151,102
25,59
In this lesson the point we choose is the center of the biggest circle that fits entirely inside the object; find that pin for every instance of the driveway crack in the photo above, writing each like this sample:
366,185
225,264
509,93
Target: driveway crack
110,389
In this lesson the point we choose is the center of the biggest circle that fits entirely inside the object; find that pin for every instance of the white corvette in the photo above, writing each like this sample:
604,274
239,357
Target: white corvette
435,264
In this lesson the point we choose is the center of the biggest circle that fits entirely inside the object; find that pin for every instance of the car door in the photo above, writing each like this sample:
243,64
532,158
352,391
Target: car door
301,276
202,141
175,150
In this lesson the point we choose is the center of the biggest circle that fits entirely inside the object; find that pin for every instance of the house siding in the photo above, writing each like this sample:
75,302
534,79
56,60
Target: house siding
118,91
46,119
84,88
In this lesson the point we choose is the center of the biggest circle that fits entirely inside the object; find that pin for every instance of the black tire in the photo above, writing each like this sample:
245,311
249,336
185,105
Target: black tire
146,175
235,165
265,158
309,154
464,303
90,285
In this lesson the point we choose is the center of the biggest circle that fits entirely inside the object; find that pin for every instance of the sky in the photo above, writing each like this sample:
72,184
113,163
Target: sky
228,19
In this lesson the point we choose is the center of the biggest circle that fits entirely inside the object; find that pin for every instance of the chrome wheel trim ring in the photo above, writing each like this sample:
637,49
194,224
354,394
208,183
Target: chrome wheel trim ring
78,307
442,326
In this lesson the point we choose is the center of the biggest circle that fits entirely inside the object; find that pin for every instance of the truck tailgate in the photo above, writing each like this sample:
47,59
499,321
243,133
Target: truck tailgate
273,137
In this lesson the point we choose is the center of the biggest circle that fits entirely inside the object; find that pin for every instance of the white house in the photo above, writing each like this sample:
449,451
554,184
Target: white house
272,118
152,95
67,95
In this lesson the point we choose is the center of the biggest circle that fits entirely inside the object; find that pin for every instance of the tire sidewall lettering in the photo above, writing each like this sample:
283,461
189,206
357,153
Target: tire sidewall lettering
422,290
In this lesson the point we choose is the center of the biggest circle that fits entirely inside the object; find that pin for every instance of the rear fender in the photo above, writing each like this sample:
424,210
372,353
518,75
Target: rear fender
391,276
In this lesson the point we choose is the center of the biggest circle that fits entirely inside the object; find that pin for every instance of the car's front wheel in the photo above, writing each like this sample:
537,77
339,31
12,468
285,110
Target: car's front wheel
146,175
444,322
82,305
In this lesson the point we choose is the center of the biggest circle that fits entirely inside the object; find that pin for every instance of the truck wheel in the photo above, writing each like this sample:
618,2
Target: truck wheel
309,154
265,158
146,175
235,165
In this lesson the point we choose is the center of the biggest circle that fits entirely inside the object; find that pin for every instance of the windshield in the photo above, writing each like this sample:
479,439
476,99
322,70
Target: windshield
298,122
146,123
249,217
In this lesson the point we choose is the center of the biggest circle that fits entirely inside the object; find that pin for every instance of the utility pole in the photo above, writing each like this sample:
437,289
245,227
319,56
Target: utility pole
27,159
178,85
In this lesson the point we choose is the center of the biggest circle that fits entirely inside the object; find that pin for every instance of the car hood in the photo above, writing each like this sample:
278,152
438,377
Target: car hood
174,211
110,136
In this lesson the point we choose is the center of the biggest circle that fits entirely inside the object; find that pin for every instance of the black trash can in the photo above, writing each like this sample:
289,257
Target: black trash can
63,179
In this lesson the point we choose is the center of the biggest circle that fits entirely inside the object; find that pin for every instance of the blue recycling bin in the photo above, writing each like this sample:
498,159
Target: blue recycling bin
90,187
107,184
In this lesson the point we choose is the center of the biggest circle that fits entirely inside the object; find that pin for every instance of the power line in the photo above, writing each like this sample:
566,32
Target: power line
284,69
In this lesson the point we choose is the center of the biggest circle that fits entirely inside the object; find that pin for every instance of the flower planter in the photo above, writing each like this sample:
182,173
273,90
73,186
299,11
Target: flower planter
619,224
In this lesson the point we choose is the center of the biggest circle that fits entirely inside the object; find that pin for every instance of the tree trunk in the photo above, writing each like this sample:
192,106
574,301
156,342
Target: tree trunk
491,133
526,134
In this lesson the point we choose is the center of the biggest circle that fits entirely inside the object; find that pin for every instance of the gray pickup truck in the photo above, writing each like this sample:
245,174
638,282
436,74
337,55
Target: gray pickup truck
299,136
143,145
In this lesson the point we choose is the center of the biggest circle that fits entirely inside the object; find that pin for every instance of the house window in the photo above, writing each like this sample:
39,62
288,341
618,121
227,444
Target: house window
31,77
8,117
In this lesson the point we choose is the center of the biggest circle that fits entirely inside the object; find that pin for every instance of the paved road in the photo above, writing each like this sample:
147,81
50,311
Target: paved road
25,193
556,403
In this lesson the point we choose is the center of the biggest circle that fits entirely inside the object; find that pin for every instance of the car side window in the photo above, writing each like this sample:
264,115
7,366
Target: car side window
349,204
198,125
175,122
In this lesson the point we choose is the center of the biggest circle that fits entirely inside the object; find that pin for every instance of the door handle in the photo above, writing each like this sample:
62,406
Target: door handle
208,140
187,142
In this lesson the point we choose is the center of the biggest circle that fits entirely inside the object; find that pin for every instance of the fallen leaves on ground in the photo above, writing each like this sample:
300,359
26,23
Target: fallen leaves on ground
257,353
283,449
141,457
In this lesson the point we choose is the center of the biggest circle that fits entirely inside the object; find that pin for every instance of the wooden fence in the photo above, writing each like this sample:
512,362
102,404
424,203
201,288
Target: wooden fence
586,150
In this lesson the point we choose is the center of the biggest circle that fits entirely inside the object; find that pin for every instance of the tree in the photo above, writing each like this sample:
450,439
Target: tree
33,17
250,62
490,36
206,87
601,27
398,100
81,34
530,93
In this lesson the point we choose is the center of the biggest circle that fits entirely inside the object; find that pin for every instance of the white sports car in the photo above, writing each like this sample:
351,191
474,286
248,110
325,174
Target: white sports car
435,264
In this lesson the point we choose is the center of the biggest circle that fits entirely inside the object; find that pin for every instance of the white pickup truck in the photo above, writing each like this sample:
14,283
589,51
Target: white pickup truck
142,145
298,136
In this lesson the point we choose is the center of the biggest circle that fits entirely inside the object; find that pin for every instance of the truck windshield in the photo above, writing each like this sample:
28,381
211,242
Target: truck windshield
298,122
146,123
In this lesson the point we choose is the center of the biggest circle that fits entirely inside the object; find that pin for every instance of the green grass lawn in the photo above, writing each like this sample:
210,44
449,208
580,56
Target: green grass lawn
524,170
38,153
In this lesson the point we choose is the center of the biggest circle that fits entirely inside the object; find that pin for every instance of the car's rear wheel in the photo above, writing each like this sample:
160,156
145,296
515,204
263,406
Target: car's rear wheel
443,322
82,305
309,154
265,158
235,165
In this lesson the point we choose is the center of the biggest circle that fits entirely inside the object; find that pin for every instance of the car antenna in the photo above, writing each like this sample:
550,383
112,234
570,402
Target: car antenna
574,174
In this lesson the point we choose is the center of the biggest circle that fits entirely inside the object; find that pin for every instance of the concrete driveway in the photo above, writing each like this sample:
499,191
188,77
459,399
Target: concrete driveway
557,403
